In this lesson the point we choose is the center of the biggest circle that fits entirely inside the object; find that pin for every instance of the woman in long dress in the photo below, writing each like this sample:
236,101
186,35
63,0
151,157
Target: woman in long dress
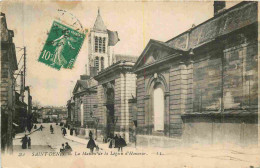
121,143
91,144
60,43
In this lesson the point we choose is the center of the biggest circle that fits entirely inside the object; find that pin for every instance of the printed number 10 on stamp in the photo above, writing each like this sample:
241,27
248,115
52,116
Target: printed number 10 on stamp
61,47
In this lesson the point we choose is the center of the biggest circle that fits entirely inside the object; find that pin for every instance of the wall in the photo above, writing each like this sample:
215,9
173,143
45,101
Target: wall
206,130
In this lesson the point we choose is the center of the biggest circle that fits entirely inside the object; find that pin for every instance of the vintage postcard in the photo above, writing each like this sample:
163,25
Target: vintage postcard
129,84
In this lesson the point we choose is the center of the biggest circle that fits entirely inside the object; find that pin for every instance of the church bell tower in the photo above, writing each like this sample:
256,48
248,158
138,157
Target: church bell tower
98,50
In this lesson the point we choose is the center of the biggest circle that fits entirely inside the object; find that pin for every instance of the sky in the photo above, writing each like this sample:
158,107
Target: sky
136,23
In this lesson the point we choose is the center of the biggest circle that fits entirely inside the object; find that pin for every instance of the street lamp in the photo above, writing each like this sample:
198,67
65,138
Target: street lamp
96,119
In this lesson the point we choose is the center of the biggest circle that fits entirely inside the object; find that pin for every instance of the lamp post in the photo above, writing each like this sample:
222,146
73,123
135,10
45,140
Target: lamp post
96,119
115,121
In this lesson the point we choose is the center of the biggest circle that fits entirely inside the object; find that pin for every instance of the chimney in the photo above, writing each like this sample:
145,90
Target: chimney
93,71
219,6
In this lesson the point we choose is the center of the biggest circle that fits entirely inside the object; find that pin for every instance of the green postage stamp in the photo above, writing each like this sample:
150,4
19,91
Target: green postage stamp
61,47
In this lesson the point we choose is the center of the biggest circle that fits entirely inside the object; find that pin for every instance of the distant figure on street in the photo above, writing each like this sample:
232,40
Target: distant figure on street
90,134
62,149
116,141
121,143
51,129
71,131
41,127
68,126
91,144
29,129
24,142
35,126
68,149
29,143
111,141
64,132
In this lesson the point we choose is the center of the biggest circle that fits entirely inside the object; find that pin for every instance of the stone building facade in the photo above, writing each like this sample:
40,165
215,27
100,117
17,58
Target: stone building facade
116,85
8,67
101,95
202,85
85,100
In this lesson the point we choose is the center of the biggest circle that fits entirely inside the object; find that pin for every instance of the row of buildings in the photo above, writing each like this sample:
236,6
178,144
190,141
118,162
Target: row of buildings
198,87
16,113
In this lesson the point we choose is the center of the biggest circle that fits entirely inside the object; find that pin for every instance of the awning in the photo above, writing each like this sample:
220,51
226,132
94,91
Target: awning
15,124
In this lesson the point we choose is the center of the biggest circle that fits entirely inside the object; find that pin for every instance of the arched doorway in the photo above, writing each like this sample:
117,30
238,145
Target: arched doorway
110,111
158,108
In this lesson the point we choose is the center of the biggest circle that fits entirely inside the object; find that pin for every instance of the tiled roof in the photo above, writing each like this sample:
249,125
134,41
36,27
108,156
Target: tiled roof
130,58
234,18
83,83
99,24
234,112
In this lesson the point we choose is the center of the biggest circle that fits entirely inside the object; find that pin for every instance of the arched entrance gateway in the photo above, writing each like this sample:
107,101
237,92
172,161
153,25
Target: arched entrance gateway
156,111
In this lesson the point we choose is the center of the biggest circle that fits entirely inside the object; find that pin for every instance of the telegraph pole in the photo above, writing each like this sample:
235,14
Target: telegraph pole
24,67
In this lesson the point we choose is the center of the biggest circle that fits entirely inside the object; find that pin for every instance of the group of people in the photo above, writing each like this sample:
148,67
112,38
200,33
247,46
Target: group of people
117,142
66,150
26,142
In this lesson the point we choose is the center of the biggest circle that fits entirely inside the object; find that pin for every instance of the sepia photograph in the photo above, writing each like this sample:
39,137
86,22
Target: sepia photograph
129,84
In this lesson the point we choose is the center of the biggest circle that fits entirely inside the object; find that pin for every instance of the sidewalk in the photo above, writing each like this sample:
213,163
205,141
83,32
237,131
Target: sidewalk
101,145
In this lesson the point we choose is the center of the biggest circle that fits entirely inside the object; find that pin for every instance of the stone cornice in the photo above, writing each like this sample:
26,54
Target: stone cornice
117,68
159,62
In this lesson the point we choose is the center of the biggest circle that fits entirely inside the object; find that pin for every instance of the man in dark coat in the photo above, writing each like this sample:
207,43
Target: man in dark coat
29,143
41,127
68,149
111,139
24,142
116,141
62,150
64,132
71,131
121,143
90,134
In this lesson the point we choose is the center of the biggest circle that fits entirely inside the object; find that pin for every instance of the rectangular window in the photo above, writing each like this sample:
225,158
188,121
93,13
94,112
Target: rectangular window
99,44
96,44
104,45
102,63
97,63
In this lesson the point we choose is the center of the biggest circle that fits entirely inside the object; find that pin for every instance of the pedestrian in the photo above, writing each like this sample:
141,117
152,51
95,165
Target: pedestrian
41,127
68,149
64,132
62,149
121,143
24,142
111,141
90,134
35,126
91,144
29,143
116,141
71,131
